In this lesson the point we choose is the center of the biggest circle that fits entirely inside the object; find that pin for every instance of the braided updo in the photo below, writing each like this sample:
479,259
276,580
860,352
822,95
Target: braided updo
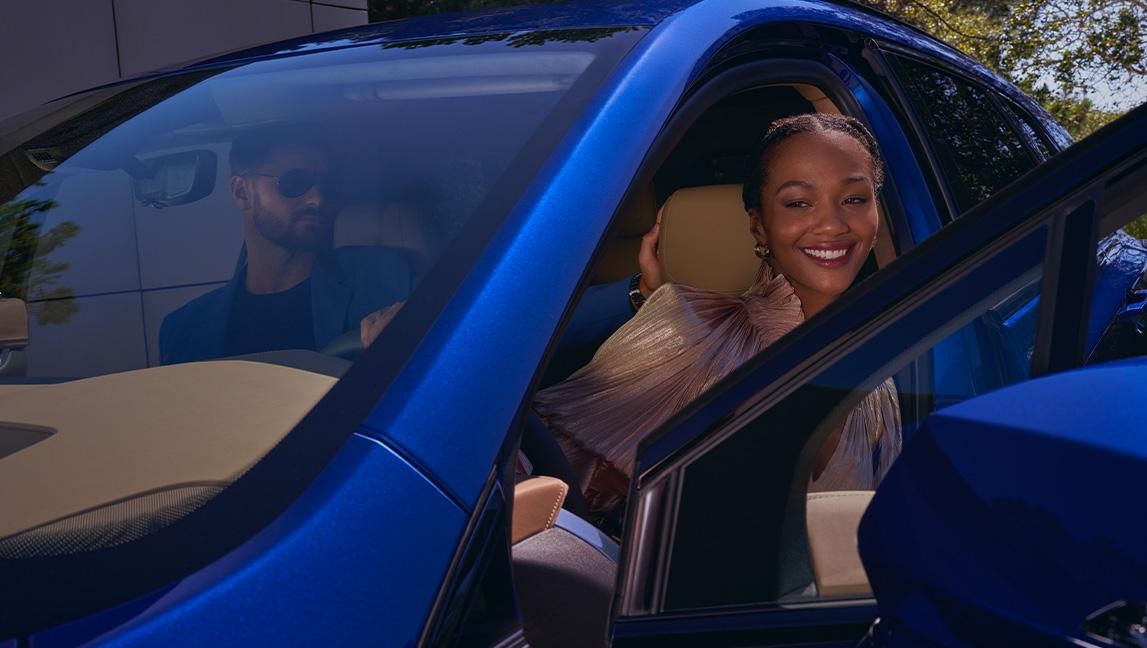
784,128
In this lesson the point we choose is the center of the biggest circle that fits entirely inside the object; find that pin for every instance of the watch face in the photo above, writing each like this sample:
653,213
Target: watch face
636,299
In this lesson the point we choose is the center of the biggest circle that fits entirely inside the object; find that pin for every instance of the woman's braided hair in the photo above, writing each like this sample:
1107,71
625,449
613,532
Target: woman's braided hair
786,127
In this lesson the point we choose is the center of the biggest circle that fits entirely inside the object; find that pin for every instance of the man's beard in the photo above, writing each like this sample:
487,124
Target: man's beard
289,234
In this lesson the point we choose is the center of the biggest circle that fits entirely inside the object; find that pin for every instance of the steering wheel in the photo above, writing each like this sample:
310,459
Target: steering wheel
347,346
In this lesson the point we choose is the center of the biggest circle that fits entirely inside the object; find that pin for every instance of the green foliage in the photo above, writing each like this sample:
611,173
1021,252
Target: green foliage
26,272
1059,51
1137,228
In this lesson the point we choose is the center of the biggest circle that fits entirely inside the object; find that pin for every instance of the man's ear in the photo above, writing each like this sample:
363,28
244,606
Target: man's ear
240,192
756,225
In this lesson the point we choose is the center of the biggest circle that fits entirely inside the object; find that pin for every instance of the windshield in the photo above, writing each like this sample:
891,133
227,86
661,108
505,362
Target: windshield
283,205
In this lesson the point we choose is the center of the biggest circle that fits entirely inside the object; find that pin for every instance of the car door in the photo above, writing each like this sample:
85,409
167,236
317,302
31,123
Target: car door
722,545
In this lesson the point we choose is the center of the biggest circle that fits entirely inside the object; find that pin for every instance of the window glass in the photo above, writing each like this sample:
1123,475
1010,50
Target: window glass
769,513
1030,133
166,223
978,149
281,211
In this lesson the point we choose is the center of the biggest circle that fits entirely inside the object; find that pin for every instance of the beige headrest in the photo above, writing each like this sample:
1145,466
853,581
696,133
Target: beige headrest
13,323
833,518
705,240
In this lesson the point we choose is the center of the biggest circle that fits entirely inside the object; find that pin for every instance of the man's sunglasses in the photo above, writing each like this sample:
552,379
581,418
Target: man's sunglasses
297,182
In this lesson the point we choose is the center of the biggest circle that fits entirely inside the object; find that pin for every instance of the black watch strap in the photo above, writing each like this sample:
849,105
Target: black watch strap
636,299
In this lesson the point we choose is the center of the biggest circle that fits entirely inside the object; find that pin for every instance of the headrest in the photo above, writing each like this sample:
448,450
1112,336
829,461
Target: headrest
705,240
832,519
537,502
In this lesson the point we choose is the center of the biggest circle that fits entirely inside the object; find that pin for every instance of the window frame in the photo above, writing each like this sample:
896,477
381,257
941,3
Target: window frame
877,53
819,69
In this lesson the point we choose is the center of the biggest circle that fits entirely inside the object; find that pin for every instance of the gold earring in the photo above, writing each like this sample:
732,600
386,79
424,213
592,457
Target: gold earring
761,250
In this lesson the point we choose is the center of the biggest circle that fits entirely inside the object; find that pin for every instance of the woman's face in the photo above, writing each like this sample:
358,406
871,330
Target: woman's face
818,214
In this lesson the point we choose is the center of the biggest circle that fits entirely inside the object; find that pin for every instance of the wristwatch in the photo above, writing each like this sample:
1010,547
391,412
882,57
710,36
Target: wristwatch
636,299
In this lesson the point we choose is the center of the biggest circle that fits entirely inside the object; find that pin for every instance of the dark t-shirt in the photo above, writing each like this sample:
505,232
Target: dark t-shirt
270,322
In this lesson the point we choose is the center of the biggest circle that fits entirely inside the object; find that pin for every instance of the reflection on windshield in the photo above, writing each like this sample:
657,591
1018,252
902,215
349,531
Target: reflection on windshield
290,204
27,273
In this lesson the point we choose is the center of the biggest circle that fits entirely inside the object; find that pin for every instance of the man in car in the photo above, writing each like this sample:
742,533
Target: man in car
295,291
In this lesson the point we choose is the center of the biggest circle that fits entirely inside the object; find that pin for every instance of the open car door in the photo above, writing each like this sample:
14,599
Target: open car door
731,539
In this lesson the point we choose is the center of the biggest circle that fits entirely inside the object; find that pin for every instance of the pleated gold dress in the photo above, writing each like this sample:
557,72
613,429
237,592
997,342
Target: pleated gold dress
681,342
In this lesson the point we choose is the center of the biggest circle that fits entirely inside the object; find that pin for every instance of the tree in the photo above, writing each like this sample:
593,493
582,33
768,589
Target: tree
26,272
1062,52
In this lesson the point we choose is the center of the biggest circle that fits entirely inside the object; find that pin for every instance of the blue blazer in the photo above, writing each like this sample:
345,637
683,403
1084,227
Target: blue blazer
346,285
350,283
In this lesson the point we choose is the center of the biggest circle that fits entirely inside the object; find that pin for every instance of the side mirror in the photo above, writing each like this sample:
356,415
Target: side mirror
174,179
13,336
1014,518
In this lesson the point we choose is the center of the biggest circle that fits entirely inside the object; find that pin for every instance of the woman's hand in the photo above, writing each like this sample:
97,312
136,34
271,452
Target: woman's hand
649,260
372,324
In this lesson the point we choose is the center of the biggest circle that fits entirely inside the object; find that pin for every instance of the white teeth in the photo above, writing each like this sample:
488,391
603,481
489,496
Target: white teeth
825,254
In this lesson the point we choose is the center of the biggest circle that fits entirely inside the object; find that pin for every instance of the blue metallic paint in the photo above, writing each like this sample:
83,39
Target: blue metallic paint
82,631
973,530
452,404
357,558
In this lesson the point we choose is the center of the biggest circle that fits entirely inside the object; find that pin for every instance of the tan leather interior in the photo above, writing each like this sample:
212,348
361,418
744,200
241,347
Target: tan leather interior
705,239
8,390
817,98
833,519
13,323
635,218
120,435
396,224
536,504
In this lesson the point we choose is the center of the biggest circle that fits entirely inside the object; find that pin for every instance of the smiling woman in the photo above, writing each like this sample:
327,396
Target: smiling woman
811,202
811,199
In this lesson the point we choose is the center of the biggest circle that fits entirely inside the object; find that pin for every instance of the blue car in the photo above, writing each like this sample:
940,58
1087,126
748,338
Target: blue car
356,463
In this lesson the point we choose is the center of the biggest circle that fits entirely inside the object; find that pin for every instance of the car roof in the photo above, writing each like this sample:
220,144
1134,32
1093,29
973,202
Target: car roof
581,14
588,14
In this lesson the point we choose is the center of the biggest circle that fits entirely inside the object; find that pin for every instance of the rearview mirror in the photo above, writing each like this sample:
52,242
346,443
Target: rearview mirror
175,179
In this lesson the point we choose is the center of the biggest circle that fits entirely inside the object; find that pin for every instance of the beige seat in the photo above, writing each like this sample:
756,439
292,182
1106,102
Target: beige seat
394,224
705,239
832,519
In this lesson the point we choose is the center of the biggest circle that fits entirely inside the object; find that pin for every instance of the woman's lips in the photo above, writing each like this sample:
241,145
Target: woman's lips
833,256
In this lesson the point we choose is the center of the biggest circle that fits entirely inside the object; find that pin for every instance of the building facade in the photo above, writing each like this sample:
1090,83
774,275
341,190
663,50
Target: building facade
52,49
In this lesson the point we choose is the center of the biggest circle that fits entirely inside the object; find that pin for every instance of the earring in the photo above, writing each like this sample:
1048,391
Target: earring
762,250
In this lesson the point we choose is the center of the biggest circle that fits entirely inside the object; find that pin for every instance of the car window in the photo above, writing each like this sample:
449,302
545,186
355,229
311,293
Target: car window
978,149
124,231
791,459
1028,129
189,265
